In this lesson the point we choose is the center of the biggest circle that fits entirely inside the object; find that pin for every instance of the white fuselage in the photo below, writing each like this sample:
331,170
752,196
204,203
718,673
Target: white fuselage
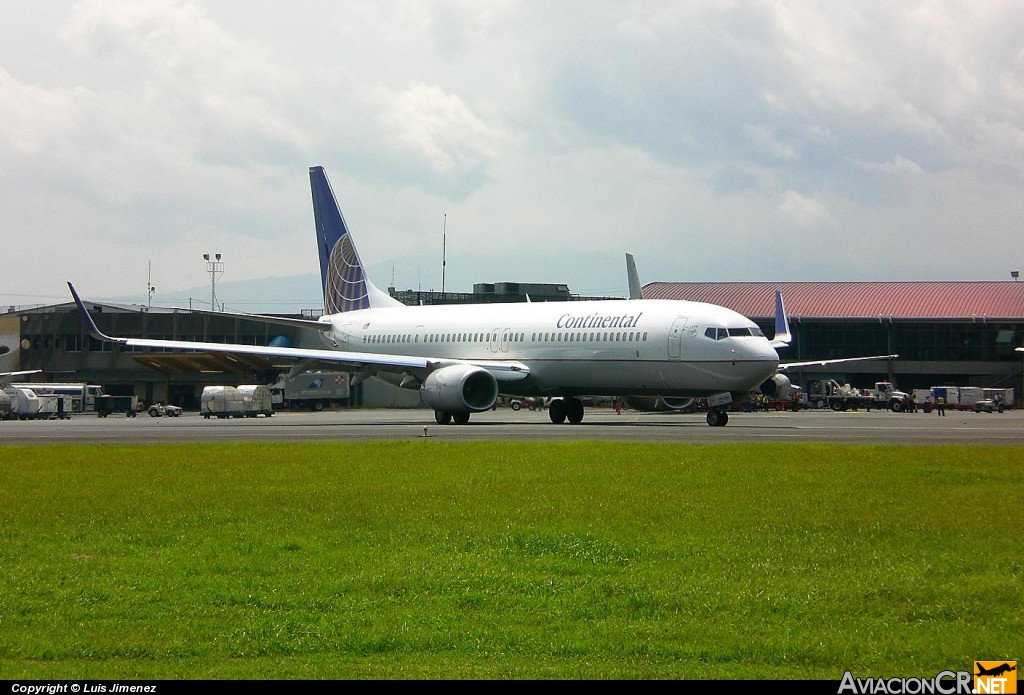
615,347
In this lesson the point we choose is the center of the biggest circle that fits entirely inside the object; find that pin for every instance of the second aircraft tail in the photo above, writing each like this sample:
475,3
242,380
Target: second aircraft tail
342,278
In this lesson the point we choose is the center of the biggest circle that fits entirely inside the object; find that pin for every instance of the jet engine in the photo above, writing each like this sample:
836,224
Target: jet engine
657,403
778,387
460,388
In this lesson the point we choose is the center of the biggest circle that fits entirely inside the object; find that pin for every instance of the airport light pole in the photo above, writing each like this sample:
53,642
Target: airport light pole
214,267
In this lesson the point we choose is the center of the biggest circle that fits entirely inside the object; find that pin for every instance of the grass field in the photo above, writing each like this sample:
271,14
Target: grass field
417,560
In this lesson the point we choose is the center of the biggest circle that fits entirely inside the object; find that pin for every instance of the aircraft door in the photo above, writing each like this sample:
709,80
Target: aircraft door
495,334
675,335
505,334
344,333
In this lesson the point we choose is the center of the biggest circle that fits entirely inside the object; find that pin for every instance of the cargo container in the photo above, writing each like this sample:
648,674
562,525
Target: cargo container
221,402
24,403
256,400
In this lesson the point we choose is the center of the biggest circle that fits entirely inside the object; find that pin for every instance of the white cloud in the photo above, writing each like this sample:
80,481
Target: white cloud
805,211
438,127
133,130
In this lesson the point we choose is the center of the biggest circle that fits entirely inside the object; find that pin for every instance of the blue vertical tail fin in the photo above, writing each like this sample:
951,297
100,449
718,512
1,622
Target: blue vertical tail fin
342,278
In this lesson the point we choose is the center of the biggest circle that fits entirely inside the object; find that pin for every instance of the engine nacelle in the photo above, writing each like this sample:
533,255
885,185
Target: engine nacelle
778,387
460,388
655,404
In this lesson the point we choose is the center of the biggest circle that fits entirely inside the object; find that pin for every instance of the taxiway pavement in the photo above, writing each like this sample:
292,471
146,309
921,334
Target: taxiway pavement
860,427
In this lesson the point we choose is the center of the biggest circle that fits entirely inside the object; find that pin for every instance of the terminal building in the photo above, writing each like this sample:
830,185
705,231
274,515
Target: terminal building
944,333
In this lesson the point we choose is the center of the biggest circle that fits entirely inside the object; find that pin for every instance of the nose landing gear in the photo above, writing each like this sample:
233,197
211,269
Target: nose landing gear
717,418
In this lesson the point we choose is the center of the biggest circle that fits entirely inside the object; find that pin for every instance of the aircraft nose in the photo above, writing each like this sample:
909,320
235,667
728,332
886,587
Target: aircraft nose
763,350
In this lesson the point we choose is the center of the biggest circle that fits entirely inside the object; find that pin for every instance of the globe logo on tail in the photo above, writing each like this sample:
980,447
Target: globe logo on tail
346,285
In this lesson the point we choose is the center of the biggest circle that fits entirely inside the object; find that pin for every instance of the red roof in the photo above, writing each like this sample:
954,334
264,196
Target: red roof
856,300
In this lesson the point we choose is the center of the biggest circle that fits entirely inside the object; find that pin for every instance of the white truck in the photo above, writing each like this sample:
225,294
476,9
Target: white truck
885,395
311,390
829,393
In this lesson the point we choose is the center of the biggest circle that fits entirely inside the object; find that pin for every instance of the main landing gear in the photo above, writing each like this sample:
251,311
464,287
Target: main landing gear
566,409
445,417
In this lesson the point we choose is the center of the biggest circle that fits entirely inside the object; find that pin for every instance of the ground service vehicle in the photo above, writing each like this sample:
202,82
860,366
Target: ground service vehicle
221,402
82,397
105,405
528,402
829,393
311,390
987,405
885,395
159,410
976,398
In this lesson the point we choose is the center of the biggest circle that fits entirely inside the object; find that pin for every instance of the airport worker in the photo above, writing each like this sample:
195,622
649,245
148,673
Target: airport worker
940,405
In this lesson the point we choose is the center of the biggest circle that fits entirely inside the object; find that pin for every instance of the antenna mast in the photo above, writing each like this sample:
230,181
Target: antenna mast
444,261
149,286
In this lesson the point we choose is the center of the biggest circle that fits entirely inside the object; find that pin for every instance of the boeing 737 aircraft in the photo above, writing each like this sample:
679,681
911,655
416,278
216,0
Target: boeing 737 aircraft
461,357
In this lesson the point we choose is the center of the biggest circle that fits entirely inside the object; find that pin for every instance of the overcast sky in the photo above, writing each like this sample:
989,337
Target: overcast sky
541,141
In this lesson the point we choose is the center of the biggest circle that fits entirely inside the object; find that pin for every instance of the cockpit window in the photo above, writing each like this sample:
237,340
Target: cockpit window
746,332
723,333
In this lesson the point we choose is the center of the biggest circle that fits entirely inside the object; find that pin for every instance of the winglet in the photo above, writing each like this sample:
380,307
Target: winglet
782,335
635,291
94,331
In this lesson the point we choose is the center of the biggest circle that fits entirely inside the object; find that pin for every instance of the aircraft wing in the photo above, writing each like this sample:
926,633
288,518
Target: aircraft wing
21,373
821,363
311,324
7,376
783,338
502,371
